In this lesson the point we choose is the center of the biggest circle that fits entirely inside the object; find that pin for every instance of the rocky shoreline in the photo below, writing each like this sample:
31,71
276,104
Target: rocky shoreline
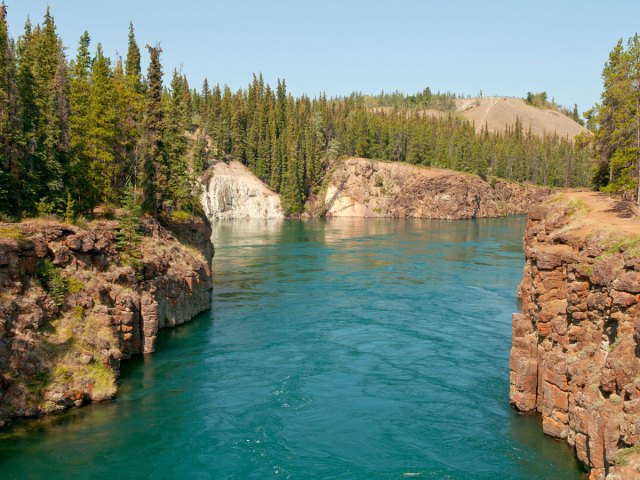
71,310
575,348
359,187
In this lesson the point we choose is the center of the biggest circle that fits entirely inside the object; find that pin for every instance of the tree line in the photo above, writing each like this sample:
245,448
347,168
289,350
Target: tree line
291,142
541,100
86,130
92,131
616,120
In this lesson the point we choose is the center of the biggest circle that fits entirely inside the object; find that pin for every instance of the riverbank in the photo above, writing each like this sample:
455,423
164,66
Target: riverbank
75,303
359,187
321,333
574,356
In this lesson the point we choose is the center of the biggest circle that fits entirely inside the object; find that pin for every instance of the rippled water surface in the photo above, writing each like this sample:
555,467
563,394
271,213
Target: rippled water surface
353,349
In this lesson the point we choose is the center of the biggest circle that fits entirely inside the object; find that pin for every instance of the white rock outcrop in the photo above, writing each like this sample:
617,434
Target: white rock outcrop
232,191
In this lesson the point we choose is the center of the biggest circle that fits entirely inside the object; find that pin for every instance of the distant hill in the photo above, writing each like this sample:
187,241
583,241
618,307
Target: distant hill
498,112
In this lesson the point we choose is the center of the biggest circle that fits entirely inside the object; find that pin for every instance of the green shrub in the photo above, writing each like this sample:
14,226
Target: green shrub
69,213
74,285
129,236
577,207
44,208
11,232
624,454
181,216
53,282
81,222
109,212
103,379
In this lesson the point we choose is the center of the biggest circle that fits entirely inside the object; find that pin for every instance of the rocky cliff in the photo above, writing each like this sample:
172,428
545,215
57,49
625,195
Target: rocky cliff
72,308
575,354
368,188
232,191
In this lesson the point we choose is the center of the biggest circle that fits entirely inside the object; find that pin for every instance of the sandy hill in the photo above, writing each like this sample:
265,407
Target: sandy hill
497,112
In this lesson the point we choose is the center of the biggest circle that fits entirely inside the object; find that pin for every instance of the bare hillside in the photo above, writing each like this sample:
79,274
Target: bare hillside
498,112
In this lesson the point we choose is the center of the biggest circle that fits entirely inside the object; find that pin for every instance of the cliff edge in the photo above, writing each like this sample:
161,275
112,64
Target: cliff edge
358,187
231,191
575,354
72,308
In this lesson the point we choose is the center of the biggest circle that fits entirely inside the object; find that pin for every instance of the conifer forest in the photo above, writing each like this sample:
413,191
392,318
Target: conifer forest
89,130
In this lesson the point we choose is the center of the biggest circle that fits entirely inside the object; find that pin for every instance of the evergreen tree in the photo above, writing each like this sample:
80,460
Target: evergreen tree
101,134
11,140
155,171
79,122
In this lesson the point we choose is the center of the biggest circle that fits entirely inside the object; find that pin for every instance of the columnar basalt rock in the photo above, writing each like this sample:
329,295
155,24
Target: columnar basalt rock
575,351
60,350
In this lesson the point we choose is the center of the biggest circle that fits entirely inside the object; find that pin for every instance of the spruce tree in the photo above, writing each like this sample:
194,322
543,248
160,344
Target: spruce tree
101,140
12,169
79,123
155,174
176,144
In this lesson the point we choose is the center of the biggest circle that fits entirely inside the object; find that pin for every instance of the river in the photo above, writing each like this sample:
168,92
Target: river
347,348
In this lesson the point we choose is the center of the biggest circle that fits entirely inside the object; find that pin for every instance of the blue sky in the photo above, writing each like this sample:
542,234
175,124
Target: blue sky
337,47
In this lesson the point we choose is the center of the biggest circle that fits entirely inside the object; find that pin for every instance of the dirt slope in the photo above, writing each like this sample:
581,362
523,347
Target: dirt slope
497,112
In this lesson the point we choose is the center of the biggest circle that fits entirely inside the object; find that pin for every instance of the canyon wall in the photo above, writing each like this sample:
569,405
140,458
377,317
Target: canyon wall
369,188
575,355
231,191
73,306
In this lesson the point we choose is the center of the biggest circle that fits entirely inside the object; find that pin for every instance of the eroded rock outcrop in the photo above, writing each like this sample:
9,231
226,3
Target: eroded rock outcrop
369,188
575,354
71,309
232,191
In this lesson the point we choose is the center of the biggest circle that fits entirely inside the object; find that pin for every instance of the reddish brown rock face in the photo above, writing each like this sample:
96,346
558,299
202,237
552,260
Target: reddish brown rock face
109,311
574,355
359,187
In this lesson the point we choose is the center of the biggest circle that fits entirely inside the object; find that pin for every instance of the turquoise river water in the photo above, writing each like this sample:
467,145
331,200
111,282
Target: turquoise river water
341,349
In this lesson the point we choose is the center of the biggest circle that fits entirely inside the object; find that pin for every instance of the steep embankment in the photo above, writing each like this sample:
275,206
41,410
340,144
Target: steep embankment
368,188
232,191
71,309
576,345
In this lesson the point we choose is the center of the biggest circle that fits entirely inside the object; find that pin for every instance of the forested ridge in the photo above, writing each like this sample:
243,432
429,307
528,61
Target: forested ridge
94,131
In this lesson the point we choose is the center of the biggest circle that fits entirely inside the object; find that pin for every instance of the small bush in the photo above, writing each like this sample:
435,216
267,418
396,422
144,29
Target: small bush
377,181
81,222
69,213
577,207
74,285
103,380
629,246
625,454
109,212
45,209
53,282
181,216
78,312
5,217
11,232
